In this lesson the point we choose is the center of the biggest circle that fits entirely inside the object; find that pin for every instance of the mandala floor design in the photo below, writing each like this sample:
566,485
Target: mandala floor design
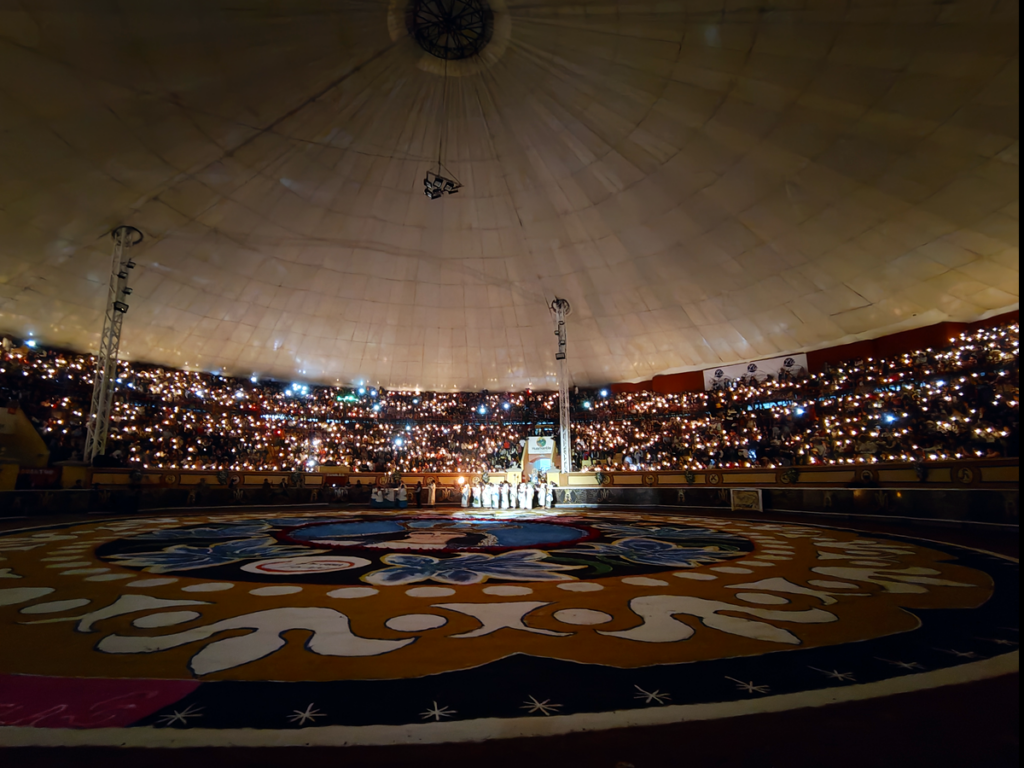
349,627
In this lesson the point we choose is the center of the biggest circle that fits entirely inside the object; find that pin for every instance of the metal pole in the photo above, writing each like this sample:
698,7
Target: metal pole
562,309
105,373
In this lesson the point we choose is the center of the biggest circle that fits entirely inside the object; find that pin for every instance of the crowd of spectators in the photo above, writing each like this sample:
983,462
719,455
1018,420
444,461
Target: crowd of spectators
954,403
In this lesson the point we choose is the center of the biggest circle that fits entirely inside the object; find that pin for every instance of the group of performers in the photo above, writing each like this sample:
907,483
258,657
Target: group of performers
395,497
505,495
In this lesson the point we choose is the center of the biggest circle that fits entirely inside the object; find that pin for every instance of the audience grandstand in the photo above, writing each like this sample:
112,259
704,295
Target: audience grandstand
927,405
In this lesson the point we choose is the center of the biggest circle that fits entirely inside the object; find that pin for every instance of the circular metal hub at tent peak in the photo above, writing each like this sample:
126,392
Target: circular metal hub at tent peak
450,29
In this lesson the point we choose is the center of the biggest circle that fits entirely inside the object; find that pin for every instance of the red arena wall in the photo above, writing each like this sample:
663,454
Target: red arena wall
931,336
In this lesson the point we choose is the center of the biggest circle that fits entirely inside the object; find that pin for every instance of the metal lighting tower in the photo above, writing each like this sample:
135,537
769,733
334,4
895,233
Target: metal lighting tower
562,309
105,375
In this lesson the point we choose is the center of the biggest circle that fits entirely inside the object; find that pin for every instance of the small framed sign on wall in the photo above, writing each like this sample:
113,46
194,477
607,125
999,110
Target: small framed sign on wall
746,499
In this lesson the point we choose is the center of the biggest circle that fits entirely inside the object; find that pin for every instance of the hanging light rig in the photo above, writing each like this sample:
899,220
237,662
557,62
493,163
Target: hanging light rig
450,30
434,183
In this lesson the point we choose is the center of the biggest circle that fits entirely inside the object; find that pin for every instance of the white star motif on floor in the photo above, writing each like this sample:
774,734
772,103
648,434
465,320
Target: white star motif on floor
959,654
309,714
901,664
544,707
999,641
835,674
180,717
648,697
437,712
749,687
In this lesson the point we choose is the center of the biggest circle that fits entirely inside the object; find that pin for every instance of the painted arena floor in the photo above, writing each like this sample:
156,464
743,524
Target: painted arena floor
241,629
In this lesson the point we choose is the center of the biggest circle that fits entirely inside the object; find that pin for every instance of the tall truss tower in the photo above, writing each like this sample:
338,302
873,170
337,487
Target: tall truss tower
561,310
105,374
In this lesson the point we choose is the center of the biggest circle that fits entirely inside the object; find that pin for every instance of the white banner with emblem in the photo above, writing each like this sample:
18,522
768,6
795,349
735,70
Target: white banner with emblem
760,370
539,455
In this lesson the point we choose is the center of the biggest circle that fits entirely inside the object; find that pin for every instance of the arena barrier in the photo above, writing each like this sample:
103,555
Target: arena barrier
983,491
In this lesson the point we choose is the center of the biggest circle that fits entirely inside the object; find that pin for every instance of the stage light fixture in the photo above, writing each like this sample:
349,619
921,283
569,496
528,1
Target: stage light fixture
120,306
435,185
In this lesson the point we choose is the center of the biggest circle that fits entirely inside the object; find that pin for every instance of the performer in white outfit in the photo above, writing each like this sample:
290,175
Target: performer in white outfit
465,495
476,495
432,493
522,495
549,494
531,494
488,496
504,495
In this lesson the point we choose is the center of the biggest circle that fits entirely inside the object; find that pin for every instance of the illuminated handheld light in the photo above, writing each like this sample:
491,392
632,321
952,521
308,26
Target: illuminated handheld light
361,390
604,393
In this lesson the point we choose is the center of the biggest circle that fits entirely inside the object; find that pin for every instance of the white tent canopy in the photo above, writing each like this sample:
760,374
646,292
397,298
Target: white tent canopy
706,181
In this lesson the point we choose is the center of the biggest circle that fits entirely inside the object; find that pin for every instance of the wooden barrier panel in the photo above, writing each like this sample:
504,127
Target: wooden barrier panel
981,473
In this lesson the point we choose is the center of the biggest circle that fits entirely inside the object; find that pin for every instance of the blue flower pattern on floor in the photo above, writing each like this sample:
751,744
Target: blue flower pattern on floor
634,548
187,557
518,565
654,552
225,531
670,532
